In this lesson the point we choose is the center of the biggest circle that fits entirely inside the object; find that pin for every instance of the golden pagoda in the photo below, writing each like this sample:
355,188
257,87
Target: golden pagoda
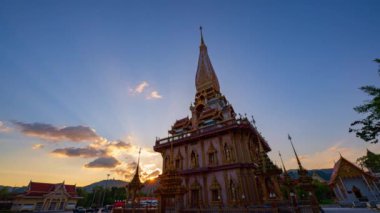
214,159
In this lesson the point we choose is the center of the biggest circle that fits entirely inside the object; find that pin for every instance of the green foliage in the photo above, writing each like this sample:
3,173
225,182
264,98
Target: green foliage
323,192
4,193
369,127
371,161
95,198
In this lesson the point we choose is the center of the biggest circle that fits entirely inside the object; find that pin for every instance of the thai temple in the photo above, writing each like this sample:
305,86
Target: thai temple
42,197
215,159
352,185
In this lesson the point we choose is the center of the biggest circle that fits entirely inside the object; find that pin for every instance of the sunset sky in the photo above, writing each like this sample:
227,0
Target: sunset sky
84,84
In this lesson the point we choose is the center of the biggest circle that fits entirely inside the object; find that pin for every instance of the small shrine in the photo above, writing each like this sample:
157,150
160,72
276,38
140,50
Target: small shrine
134,187
305,184
288,184
170,191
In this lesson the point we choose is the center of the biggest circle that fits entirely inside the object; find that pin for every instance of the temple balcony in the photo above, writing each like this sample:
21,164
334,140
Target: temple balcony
209,131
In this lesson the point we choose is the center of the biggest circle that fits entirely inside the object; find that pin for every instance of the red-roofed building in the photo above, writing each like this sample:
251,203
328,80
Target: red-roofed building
46,197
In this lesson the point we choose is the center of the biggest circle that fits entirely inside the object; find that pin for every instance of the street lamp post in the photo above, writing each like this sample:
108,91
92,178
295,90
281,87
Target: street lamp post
105,190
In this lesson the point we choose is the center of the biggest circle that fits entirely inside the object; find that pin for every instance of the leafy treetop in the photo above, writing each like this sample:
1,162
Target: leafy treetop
368,129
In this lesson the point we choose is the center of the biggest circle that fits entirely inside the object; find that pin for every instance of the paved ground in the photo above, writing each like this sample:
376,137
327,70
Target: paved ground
358,210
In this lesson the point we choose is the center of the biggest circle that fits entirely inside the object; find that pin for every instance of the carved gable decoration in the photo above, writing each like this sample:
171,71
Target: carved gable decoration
179,155
210,113
181,125
215,184
345,169
211,149
348,170
195,185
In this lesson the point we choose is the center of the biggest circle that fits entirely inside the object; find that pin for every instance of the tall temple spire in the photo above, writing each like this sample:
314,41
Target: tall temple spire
202,41
298,160
138,165
135,185
205,77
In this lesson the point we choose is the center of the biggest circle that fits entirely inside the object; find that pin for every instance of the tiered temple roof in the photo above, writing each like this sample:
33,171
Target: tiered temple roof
135,184
265,165
344,168
36,189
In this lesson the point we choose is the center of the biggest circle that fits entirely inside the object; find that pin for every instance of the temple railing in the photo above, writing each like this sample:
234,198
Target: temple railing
206,129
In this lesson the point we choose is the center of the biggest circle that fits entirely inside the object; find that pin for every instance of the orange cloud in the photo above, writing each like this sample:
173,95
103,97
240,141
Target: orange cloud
37,146
4,128
128,171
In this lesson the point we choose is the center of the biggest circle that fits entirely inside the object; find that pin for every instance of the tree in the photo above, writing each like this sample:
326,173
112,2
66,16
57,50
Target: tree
371,161
369,128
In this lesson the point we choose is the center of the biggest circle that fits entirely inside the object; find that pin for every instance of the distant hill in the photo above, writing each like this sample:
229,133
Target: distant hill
149,186
110,183
323,174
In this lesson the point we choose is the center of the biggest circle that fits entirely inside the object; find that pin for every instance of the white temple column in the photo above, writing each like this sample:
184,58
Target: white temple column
338,193
369,187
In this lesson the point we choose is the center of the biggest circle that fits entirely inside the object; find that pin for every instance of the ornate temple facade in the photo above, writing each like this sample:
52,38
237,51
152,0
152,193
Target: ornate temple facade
220,158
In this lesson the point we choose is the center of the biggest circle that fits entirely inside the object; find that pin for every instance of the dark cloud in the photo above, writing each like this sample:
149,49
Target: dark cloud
103,162
52,133
121,144
86,152
126,172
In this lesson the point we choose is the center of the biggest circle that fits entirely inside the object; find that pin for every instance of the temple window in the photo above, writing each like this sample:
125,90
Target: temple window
194,160
212,157
178,161
214,195
195,198
215,191
227,153
167,162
